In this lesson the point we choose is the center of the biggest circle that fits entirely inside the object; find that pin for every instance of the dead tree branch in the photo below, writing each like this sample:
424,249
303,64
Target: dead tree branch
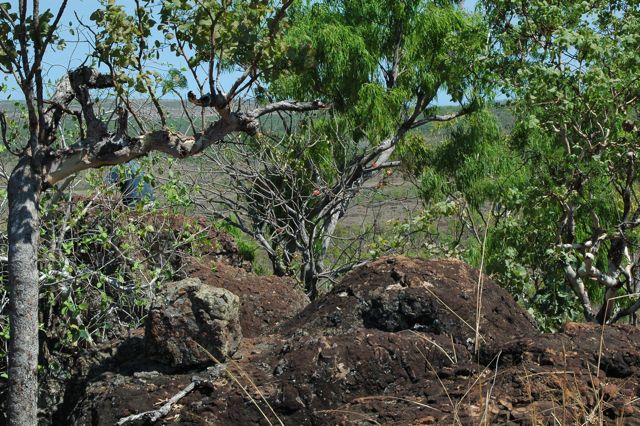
155,415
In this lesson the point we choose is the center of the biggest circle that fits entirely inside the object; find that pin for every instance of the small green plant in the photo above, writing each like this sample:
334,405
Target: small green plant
421,235
101,262
247,248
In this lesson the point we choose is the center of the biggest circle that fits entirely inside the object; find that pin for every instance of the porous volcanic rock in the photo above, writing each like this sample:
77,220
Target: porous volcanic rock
189,316
437,297
393,344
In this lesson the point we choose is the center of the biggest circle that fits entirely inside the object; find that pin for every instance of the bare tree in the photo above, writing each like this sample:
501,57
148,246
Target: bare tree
289,196
281,195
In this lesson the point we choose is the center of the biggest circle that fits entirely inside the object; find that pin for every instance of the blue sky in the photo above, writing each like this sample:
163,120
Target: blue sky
55,64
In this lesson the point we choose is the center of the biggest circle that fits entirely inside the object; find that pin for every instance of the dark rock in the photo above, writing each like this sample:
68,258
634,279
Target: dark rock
392,344
189,316
397,293
115,396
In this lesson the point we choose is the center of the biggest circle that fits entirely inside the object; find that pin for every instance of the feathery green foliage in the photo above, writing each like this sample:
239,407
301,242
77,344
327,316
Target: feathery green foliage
373,59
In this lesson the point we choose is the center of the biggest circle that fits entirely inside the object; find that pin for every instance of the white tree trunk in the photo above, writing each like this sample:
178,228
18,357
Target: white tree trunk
24,192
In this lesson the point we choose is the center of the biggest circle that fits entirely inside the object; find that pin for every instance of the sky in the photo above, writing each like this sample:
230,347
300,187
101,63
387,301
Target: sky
55,64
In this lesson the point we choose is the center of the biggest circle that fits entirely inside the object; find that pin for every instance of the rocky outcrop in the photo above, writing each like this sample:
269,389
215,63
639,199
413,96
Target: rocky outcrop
393,343
189,322
436,297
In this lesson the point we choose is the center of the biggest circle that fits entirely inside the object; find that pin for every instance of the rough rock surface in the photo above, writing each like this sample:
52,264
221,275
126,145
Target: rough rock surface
189,319
392,344
396,294
265,302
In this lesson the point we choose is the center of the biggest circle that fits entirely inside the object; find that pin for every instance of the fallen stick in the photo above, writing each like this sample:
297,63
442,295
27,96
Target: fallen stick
155,415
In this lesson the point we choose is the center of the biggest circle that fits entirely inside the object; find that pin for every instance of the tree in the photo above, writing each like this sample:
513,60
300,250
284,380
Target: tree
250,33
572,68
276,192
381,65
471,169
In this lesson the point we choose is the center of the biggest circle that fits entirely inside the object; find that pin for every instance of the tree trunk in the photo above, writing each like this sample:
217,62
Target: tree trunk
279,269
608,306
309,276
24,192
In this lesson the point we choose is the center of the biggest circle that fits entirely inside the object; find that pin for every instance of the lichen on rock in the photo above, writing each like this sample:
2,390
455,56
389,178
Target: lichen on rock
188,316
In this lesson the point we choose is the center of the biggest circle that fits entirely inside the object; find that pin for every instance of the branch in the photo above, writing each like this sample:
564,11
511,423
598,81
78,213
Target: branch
41,51
288,106
3,134
623,313
112,150
343,269
364,167
118,149
588,270
388,165
359,171
578,288
102,148
82,79
589,244
155,415
274,26
438,118
59,105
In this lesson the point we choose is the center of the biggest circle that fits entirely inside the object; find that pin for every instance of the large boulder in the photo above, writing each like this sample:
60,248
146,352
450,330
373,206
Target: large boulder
188,320
436,297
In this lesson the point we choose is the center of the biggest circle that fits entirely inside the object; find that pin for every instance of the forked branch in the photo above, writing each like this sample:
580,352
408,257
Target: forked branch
102,147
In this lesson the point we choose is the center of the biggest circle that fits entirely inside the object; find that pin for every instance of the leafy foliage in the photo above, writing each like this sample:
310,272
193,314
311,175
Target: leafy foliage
556,199
482,179
372,59
101,263
572,68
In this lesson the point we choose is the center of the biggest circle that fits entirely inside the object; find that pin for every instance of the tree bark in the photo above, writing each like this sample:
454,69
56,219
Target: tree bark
277,264
24,192
309,275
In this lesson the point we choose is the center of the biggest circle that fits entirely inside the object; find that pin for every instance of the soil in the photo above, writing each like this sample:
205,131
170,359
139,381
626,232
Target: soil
393,344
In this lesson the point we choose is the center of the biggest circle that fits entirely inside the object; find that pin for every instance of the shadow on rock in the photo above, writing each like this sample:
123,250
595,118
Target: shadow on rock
393,343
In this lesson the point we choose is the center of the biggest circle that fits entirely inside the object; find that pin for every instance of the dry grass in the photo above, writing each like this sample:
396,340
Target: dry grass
236,379
352,413
479,289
